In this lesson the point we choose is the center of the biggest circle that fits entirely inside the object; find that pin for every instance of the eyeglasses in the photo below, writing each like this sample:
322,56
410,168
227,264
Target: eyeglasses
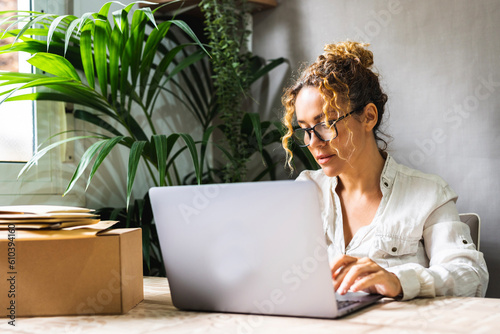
325,131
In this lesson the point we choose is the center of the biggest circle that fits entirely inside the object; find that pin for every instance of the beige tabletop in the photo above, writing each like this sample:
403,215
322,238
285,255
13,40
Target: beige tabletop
156,314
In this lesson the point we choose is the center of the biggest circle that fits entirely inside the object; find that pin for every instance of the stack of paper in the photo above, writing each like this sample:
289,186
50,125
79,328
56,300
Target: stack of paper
45,216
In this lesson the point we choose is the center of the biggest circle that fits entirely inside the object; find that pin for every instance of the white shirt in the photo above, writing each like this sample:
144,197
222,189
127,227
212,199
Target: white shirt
416,233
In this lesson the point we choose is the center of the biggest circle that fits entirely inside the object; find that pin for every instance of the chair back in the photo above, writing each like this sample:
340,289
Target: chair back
474,223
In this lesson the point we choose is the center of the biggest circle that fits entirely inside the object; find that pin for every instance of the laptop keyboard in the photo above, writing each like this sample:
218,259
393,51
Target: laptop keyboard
346,303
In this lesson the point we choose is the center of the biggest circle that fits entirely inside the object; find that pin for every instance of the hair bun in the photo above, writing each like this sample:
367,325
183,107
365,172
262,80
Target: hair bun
353,50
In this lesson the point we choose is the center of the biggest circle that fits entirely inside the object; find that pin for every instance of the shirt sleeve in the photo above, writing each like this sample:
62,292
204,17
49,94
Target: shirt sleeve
455,266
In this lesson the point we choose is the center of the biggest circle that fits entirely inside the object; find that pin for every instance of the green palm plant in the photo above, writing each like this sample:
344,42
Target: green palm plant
124,69
117,66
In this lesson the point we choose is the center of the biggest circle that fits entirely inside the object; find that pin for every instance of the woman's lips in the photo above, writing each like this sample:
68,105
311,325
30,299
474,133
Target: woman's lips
323,159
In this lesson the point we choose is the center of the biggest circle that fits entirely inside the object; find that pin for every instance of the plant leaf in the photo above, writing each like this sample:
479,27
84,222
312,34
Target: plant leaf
96,120
100,56
53,27
69,33
194,154
46,81
161,147
77,93
159,72
115,51
9,19
136,42
86,54
28,25
104,11
43,151
106,149
149,15
270,169
191,59
135,129
189,32
150,48
87,19
84,162
199,86
204,143
266,69
133,163
54,64
255,118
226,153
188,61
43,96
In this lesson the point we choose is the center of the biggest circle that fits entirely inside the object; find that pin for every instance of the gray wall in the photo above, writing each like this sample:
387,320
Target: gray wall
439,64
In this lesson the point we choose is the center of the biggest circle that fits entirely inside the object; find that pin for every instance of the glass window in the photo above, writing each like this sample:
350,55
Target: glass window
45,182
17,130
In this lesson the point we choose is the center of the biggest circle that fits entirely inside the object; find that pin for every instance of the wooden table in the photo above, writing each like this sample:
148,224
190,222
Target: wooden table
157,314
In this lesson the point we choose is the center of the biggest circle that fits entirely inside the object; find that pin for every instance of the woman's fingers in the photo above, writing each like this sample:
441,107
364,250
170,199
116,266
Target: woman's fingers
341,262
356,271
368,281
363,274
339,276
340,268
382,282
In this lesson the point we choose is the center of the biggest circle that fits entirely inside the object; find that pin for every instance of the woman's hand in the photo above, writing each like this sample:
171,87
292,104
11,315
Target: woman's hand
359,274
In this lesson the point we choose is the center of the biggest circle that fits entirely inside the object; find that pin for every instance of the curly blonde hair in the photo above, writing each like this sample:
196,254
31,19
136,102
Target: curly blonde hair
343,76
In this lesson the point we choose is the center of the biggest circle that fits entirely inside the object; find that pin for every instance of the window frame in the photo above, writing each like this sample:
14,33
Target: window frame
45,182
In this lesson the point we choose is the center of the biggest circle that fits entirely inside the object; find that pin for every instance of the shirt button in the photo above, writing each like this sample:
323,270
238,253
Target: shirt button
394,249
465,242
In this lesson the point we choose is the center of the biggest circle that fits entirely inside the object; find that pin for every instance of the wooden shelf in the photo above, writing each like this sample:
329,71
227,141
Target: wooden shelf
190,7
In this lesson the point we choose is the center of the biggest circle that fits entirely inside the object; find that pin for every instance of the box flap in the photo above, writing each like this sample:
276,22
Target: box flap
77,232
41,209
117,231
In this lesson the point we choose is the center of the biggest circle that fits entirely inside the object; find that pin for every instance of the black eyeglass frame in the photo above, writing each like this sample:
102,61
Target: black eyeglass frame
332,123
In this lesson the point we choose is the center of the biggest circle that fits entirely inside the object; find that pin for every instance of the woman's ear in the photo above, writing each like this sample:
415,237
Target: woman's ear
371,116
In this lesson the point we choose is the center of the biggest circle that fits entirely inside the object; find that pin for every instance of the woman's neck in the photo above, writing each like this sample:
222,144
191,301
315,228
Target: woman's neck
363,175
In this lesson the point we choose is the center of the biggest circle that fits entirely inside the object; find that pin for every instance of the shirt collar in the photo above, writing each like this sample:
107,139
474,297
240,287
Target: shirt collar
386,178
388,173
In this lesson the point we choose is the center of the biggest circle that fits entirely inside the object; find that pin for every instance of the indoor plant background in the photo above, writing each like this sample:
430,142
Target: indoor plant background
106,47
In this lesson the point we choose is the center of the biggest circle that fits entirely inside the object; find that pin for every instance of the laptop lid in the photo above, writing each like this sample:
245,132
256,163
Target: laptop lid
245,248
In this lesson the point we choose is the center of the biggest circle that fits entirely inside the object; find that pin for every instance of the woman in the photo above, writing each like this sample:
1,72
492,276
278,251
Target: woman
390,229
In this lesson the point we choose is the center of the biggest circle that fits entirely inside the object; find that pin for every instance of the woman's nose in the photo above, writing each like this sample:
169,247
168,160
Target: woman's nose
315,141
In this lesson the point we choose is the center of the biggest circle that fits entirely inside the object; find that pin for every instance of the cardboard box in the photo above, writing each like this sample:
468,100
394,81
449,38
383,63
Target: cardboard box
76,272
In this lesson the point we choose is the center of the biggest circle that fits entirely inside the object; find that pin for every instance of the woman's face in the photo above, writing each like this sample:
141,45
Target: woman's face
337,155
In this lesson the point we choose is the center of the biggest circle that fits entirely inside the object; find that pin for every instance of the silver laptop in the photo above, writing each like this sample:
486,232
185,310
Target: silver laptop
248,248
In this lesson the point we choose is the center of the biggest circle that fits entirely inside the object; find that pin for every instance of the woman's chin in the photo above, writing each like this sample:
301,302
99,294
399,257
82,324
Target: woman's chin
330,171
330,165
